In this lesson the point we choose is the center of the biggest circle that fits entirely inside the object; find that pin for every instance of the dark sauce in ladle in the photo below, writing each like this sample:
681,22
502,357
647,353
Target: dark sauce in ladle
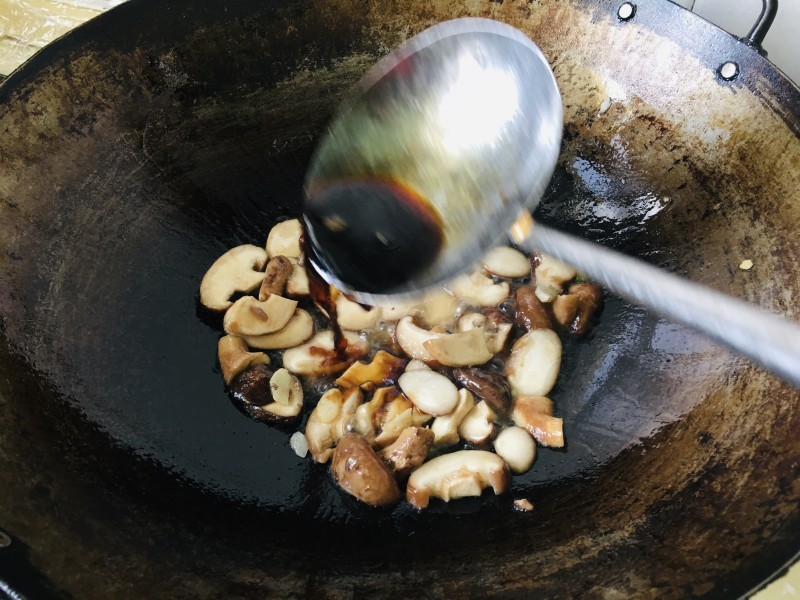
373,235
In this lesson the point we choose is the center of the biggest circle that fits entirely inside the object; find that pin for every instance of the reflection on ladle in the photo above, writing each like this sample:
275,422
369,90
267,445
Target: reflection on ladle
466,119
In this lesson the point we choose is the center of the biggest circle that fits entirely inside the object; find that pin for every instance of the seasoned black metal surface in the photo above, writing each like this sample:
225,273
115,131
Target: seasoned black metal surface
135,154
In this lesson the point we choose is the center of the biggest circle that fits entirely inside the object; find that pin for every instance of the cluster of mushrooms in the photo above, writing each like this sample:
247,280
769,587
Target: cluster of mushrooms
424,390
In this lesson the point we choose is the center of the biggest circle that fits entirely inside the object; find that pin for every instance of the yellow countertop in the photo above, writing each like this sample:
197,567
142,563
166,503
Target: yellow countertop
28,25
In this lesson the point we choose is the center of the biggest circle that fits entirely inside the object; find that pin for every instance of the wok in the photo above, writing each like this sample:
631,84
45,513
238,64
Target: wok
138,148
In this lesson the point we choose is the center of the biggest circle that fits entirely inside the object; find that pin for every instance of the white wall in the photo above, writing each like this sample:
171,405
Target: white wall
737,17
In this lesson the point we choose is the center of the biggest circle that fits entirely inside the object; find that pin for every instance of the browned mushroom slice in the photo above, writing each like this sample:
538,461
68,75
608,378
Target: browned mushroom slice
234,357
409,450
490,386
530,311
266,396
590,298
531,413
382,369
318,356
359,471
277,273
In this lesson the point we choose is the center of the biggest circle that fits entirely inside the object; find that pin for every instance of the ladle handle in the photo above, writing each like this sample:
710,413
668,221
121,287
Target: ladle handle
772,341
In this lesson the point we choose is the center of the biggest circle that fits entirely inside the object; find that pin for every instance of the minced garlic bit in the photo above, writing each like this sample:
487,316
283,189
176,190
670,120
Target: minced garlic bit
523,504
746,265
299,444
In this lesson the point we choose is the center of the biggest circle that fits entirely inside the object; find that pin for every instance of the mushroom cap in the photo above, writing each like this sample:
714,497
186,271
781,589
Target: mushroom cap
238,270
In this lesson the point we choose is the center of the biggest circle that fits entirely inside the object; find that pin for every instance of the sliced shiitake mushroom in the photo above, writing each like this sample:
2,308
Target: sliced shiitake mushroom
431,392
360,472
248,316
516,446
412,338
297,284
277,273
299,329
495,331
534,413
506,262
490,386
382,369
408,451
460,349
318,356
457,475
532,367
240,269
479,289
234,357
353,316
551,275
329,421
284,239
445,428
477,427
530,312
267,396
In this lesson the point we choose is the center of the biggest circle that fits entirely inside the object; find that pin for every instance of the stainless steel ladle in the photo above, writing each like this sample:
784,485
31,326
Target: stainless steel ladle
456,134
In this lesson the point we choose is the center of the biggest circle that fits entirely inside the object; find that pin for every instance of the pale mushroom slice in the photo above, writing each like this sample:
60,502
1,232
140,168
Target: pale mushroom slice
284,239
318,357
351,315
412,338
477,427
240,269
479,289
431,392
551,275
249,316
516,446
234,357
462,349
506,262
532,368
297,284
367,416
299,329
457,475
329,420
445,428
495,339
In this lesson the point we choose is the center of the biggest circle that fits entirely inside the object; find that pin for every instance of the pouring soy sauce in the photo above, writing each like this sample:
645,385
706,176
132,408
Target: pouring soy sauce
444,145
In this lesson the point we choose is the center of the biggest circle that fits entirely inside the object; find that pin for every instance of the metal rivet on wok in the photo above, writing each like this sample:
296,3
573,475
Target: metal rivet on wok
5,541
729,71
626,11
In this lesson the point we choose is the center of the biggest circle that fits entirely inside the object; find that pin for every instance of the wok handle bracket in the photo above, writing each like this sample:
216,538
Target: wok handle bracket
762,25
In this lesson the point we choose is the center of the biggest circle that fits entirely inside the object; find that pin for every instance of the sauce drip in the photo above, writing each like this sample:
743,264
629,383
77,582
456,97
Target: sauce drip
373,235
324,296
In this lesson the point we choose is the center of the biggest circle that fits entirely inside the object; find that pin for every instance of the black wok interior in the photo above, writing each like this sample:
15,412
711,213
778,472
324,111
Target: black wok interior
135,154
